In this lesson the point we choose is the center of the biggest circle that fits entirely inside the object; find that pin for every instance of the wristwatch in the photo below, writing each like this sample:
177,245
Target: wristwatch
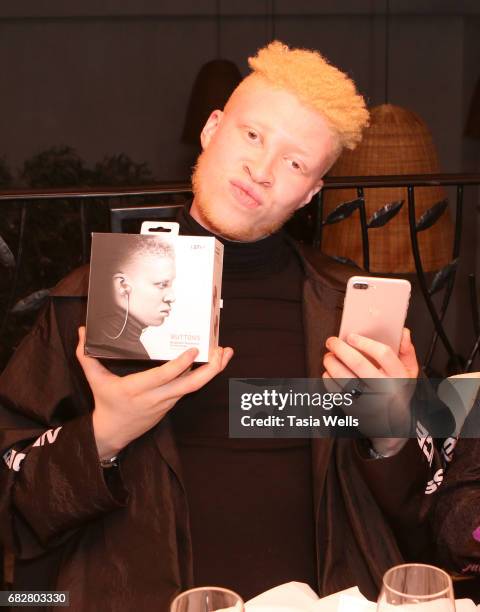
373,454
109,463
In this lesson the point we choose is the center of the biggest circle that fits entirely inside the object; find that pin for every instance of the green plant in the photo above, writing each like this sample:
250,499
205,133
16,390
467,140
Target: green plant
5,174
120,170
55,167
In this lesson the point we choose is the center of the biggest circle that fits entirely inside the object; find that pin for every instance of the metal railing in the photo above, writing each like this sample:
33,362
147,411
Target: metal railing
444,280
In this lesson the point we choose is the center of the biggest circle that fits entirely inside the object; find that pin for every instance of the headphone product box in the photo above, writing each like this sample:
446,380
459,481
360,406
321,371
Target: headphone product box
153,295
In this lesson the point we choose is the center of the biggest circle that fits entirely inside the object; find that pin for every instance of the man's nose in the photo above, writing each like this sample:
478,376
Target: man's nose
260,169
169,297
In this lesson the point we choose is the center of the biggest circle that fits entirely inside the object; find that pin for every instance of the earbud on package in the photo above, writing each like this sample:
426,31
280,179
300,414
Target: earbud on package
153,295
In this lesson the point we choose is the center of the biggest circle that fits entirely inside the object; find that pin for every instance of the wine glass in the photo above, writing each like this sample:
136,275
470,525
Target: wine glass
207,599
416,587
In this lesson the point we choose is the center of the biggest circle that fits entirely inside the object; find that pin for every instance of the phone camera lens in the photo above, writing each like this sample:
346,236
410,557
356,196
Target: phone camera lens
360,285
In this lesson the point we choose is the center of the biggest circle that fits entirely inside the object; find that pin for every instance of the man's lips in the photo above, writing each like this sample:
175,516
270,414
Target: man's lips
245,195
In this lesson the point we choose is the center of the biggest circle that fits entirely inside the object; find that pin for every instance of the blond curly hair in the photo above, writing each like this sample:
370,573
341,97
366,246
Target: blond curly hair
317,84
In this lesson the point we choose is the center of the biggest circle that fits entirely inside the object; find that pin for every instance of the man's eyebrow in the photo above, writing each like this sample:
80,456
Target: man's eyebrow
298,149
252,122
258,124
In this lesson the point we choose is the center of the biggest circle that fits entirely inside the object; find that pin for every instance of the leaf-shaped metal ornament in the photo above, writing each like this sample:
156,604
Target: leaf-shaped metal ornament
342,211
442,277
346,261
383,215
431,215
6,256
31,302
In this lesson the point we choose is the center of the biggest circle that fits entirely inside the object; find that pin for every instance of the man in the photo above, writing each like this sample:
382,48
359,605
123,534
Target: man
132,283
183,504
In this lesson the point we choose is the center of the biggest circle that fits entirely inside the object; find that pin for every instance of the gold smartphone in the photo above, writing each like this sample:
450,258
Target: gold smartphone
376,308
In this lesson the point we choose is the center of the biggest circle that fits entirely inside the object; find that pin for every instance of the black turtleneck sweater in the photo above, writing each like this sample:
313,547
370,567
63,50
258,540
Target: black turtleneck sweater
250,501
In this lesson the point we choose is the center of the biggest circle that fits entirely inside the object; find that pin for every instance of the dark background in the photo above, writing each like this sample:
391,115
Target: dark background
107,77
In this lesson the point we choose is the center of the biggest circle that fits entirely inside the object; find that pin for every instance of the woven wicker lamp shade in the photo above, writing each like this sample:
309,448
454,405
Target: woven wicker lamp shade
397,142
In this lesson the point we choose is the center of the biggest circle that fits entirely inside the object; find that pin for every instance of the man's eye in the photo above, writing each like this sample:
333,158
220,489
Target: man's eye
163,285
252,135
295,165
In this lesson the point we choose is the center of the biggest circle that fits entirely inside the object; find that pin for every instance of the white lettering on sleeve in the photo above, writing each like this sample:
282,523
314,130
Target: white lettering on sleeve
48,436
14,458
434,484
425,441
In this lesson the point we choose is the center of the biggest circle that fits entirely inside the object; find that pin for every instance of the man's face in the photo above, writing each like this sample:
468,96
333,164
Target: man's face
263,158
148,279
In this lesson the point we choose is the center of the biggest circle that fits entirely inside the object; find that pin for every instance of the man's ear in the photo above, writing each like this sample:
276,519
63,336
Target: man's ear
121,285
210,127
313,191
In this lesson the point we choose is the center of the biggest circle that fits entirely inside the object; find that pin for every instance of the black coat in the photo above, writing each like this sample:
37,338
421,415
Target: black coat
119,539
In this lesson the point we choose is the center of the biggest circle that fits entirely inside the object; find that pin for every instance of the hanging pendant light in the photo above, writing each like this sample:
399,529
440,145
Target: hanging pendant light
472,128
213,86
397,141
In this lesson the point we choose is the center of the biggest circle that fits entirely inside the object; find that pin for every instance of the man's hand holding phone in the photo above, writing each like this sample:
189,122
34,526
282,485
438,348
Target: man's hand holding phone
384,405
362,357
